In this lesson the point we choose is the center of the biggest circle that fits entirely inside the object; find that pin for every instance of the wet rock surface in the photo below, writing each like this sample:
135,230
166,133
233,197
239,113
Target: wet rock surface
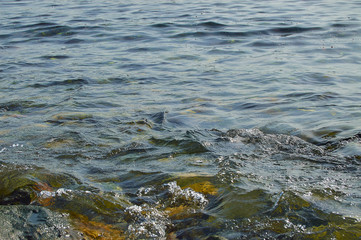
34,222
204,184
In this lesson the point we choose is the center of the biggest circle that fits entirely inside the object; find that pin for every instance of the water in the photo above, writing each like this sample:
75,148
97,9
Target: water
134,118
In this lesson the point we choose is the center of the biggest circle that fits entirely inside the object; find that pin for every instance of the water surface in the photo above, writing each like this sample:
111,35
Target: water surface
134,118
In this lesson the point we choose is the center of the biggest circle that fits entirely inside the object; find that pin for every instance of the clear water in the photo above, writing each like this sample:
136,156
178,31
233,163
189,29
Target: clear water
131,103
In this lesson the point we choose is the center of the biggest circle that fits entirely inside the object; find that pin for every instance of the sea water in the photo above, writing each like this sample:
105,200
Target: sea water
184,119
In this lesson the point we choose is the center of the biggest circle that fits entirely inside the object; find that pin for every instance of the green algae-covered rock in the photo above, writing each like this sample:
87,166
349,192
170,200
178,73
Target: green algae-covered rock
22,184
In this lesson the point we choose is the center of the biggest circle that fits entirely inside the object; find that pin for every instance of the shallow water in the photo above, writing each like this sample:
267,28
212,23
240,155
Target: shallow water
134,118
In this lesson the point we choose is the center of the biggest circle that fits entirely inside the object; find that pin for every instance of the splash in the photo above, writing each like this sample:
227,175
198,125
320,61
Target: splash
152,220
146,222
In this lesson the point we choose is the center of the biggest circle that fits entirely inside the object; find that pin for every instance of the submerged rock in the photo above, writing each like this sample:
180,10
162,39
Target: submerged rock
71,116
34,222
96,230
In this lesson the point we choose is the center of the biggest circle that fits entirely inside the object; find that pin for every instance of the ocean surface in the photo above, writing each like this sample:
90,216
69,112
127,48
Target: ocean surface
177,119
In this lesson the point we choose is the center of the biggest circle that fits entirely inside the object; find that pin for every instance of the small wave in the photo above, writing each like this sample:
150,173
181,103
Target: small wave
7,47
233,34
342,143
39,24
129,149
293,30
68,82
264,43
159,118
162,25
18,105
74,41
135,38
272,143
54,57
3,36
343,25
52,31
145,49
211,24
184,146
310,96
191,34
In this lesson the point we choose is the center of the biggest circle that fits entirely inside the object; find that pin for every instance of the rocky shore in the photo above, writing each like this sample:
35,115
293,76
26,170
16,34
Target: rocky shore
34,222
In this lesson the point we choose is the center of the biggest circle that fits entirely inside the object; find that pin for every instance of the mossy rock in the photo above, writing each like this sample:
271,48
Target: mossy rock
242,204
12,180
199,183
290,202
22,184
205,187
92,204
181,212
94,229
333,231
60,192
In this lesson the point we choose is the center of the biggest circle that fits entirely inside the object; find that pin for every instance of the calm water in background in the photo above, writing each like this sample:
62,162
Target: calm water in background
132,98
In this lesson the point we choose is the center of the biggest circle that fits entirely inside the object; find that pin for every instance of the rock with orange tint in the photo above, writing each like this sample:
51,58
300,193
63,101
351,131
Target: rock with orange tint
204,187
198,183
96,230
45,194
181,212
172,211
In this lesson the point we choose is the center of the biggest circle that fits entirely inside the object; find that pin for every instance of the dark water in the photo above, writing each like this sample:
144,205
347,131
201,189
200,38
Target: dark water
184,119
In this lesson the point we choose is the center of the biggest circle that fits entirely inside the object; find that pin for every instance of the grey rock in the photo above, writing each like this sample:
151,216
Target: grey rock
34,222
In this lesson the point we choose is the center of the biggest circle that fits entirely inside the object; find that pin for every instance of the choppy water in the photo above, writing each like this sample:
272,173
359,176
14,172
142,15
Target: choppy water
184,119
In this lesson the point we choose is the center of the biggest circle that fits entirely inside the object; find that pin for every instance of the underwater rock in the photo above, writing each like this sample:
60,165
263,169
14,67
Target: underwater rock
69,116
95,230
33,222
58,143
197,183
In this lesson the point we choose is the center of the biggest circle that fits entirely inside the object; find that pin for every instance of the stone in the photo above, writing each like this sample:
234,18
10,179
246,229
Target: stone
34,222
